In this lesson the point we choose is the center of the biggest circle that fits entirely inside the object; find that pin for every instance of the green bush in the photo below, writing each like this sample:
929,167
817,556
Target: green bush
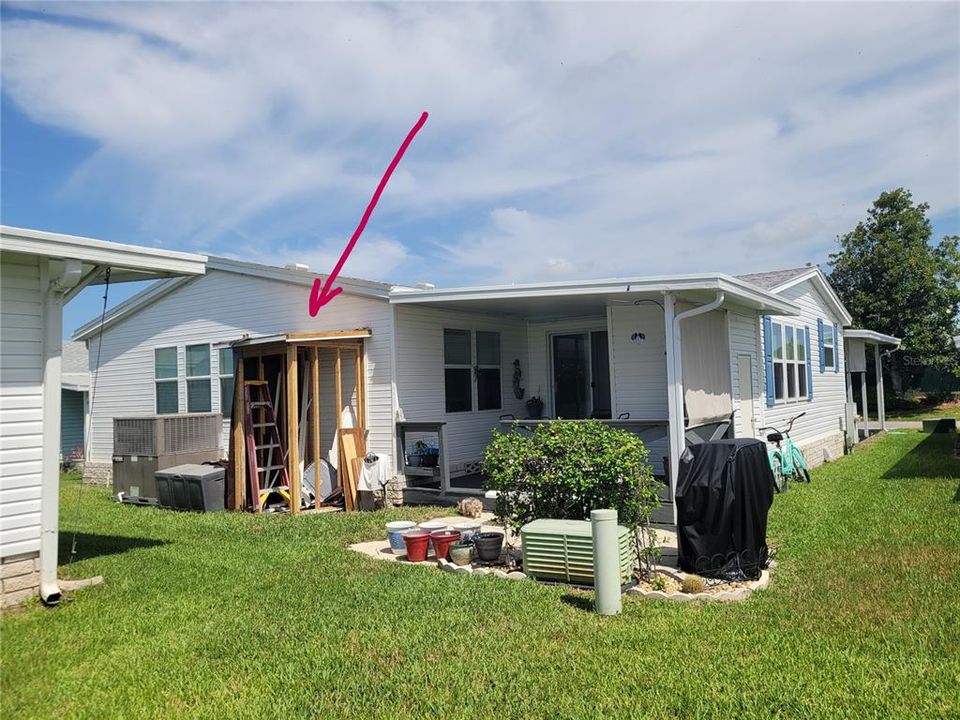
566,469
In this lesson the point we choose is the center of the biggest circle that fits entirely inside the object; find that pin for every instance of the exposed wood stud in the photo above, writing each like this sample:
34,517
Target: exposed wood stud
238,439
315,415
293,429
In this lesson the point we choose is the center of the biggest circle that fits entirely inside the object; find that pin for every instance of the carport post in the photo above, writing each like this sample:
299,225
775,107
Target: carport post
881,405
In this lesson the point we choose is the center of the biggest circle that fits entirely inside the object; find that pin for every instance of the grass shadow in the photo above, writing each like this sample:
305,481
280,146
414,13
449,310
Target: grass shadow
933,457
91,545
580,602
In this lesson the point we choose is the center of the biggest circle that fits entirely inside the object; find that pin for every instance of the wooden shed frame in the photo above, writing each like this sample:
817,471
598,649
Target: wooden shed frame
293,348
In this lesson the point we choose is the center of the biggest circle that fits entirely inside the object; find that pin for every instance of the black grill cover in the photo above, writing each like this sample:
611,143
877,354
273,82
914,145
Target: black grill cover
724,492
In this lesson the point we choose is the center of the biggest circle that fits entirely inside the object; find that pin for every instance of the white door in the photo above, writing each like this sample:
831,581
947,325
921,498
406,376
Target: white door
747,425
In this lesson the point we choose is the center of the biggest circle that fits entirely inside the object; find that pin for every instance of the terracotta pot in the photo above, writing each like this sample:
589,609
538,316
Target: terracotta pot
442,539
488,545
416,542
461,553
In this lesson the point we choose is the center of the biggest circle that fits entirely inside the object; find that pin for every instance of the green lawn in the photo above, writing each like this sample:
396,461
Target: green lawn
921,409
236,616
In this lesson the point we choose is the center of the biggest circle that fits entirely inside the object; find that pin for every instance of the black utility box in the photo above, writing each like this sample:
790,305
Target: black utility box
191,487
724,493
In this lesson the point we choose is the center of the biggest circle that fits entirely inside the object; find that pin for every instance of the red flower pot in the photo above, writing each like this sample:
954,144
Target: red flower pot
442,540
416,542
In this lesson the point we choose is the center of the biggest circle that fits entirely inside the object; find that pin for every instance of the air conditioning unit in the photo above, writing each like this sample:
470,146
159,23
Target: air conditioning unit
562,550
142,445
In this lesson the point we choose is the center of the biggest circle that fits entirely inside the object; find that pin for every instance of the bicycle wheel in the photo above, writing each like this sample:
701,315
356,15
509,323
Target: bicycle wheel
800,465
779,480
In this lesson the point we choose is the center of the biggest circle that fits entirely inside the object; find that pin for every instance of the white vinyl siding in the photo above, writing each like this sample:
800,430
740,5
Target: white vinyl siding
21,403
640,370
744,340
420,374
825,411
125,377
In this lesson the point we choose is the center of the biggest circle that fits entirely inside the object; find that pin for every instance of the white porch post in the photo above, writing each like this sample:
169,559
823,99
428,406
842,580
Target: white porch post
863,401
881,406
674,392
849,386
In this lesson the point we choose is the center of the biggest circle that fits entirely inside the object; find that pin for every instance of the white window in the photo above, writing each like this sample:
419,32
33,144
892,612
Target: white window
165,379
471,370
789,351
829,346
198,378
225,371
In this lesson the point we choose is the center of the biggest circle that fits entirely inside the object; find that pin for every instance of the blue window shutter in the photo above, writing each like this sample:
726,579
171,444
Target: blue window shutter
823,365
768,357
809,365
836,348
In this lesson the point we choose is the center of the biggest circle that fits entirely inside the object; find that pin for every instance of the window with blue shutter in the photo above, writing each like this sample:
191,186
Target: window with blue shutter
823,364
768,358
809,370
836,348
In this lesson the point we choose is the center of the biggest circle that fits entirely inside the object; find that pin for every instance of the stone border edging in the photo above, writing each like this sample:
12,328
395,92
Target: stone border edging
736,595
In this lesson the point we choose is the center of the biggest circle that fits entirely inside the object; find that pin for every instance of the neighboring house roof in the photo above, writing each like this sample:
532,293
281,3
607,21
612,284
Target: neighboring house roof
75,366
294,275
518,297
872,336
777,281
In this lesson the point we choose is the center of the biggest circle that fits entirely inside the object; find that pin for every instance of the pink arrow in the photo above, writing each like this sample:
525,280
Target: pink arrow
320,297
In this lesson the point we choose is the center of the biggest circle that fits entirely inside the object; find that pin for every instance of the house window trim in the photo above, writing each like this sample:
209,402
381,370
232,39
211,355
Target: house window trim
832,346
797,365
473,367
208,377
175,380
220,377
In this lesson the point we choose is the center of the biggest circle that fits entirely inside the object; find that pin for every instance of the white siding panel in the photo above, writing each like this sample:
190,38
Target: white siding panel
221,307
420,389
825,412
744,340
21,403
640,371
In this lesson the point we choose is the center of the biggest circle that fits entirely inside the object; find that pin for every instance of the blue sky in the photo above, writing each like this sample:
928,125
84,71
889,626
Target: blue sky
565,141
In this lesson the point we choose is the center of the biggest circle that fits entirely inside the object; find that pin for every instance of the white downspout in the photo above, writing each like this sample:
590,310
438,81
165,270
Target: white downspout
58,283
675,382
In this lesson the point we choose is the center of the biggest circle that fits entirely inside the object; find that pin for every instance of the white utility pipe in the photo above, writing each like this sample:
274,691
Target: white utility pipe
606,562
679,436
59,280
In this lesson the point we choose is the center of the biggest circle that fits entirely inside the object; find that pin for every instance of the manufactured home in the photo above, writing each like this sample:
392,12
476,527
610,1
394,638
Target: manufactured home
39,272
673,359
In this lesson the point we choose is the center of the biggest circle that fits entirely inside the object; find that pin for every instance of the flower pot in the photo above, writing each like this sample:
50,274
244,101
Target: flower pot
413,460
461,552
488,545
442,540
432,526
535,409
467,530
395,531
429,461
416,542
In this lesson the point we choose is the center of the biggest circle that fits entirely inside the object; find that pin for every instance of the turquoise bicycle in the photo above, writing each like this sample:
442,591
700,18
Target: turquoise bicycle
786,459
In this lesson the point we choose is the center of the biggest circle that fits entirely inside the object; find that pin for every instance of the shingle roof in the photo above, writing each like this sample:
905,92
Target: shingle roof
774,278
75,358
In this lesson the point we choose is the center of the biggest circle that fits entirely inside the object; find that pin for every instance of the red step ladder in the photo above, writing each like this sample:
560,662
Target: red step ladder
265,453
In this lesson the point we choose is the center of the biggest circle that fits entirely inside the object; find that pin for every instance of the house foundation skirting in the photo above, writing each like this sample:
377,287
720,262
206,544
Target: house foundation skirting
19,578
823,449
98,473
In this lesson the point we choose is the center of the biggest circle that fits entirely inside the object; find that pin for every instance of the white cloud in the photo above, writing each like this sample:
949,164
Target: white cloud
594,139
